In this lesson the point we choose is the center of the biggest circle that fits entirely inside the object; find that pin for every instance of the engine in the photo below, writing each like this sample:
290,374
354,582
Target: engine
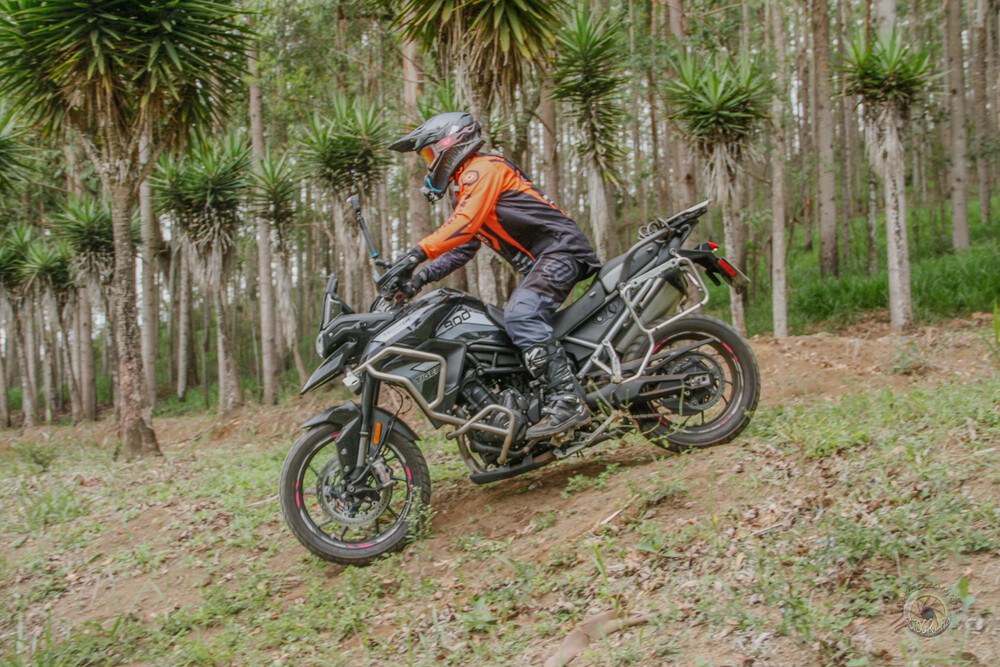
477,395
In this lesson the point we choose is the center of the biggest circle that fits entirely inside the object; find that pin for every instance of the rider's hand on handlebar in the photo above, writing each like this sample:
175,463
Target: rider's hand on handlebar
400,272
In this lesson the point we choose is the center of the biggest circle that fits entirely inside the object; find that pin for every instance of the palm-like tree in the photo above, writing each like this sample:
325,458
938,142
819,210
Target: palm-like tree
84,225
492,42
47,269
14,152
889,78
276,202
587,76
115,73
344,152
204,193
13,291
720,104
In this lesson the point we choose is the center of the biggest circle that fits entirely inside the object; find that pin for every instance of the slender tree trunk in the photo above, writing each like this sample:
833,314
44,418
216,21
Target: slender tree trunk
826,187
49,361
779,205
88,374
601,219
184,328
980,92
269,350
135,415
4,357
550,144
28,391
419,208
730,236
150,331
230,395
206,323
958,180
894,175
872,222
76,405
683,156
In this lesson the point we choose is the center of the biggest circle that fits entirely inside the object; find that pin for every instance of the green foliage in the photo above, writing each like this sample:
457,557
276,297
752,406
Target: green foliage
588,76
204,192
84,224
112,68
14,244
719,101
48,265
48,503
41,455
347,150
14,152
276,196
887,72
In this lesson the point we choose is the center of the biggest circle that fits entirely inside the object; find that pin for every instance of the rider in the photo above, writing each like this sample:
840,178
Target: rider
498,205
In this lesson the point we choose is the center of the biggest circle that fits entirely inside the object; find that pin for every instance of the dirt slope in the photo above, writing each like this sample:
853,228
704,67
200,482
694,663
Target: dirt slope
163,537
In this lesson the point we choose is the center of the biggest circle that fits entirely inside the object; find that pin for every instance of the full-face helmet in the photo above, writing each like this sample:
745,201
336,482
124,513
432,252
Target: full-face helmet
444,142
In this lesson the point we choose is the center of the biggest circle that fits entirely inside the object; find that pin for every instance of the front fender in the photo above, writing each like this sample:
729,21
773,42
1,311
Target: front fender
342,415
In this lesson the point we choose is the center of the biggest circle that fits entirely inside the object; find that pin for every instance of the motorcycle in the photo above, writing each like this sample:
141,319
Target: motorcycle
354,485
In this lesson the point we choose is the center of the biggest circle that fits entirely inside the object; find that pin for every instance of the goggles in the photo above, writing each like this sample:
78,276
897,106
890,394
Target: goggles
431,152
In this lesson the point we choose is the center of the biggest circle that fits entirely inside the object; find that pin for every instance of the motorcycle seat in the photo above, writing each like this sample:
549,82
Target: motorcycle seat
611,272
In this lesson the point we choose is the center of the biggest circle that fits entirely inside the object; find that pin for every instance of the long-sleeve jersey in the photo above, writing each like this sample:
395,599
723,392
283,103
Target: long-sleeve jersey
499,206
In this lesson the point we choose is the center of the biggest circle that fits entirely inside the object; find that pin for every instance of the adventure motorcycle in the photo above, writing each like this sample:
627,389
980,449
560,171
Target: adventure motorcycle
354,484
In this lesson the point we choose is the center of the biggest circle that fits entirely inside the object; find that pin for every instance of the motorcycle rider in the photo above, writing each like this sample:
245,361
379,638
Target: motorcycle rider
498,205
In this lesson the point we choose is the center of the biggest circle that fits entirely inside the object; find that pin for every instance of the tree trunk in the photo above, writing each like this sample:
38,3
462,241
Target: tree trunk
872,222
894,176
184,329
88,374
550,145
28,391
150,332
958,169
4,357
230,395
601,220
269,349
779,206
981,114
135,416
76,405
731,238
826,186
49,361
419,208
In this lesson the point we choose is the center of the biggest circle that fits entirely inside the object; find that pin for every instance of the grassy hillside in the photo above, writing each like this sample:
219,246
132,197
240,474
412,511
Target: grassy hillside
791,546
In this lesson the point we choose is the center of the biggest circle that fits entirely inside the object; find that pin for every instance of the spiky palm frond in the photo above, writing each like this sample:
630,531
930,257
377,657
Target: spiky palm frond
84,224
14,243
719,101
107,66
14,152
204,192
887,72
498,40
276,197
347,150
47,265
588,76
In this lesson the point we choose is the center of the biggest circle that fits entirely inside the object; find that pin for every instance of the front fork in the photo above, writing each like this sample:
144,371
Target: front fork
370,430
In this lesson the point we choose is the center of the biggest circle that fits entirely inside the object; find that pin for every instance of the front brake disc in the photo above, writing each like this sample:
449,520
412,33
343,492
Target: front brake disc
357,507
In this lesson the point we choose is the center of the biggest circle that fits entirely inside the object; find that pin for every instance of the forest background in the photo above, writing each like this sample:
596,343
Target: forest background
852,173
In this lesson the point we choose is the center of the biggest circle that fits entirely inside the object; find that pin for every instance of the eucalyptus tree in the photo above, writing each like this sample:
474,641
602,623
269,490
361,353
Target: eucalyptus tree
114,73
347,152
84,224
47,268
889,78
720,103
204,193
588,77
14,244
10,279
276,203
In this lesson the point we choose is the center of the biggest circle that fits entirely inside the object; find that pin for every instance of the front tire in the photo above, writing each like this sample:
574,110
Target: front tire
708,416
353,526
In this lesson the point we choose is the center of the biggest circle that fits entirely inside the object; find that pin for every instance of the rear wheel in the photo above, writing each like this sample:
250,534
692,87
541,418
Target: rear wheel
719,409
353,522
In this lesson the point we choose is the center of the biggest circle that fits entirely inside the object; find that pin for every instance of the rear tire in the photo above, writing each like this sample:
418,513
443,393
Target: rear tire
353,528
704,417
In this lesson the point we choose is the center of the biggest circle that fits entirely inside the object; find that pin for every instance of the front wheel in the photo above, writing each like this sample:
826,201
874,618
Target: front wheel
353,522
712,414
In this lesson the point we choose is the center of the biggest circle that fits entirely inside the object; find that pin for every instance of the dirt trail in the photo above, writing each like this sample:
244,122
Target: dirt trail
532,515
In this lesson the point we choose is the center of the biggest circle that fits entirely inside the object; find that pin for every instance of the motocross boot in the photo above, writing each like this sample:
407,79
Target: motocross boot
564,404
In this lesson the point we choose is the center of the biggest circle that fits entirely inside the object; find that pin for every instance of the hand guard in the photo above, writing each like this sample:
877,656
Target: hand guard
398,274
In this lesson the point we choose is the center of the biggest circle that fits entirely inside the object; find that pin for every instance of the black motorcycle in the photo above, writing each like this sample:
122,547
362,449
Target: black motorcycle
354,484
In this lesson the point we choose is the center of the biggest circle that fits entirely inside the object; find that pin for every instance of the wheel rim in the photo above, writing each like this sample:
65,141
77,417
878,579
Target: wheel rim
701,410
359,517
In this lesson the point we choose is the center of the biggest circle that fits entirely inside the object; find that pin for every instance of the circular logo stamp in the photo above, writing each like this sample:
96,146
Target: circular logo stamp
470,177
925,612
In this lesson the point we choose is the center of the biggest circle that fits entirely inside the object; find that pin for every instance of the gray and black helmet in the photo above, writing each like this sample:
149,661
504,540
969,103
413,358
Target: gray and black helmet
444,141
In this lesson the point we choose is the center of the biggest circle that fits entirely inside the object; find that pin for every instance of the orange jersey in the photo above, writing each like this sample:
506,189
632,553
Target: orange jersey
499,206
